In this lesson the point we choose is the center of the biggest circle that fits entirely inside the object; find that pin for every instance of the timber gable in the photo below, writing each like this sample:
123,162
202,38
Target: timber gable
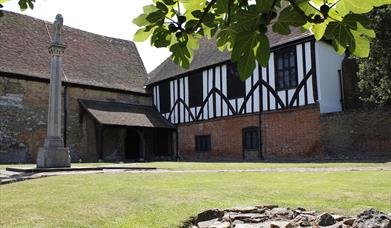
222,96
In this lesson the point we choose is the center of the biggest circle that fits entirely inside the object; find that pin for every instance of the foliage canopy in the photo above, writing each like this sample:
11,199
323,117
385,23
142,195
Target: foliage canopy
240,26
375,72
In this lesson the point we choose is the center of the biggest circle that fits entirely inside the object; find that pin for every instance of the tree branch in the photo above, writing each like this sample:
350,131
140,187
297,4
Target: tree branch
308,18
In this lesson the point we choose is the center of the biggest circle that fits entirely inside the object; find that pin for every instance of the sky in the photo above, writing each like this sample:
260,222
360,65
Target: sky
109,18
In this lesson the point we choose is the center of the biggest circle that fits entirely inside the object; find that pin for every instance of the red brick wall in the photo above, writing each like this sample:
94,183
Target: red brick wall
292,134
226,137
286,135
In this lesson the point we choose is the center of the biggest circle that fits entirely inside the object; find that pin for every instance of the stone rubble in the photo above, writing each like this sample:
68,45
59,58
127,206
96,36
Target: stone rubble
276,217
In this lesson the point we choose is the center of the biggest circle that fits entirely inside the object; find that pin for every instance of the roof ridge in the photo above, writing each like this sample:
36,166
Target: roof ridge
114,101
70,27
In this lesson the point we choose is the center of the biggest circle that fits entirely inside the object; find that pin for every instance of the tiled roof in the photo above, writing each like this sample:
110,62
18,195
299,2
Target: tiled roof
208,54
123,114
89,59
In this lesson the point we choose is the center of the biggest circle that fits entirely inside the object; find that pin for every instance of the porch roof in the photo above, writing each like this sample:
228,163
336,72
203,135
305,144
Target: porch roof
124,114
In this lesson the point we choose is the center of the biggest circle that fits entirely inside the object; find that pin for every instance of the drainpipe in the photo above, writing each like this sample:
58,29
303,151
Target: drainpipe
341,90
260,134
177,144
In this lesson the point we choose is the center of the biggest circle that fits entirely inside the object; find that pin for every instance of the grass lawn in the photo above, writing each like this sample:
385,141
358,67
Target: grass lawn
221,165
166,199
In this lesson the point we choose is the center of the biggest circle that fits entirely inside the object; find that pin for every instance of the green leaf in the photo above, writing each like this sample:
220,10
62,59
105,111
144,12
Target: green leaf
263,50
245,19
264,6
224,39
30,4
361,49
243,53
319,30
221,6
141,35
156,17
180,55
162,7
288,17
192,42
339,32
307,8
358,6
193,4
338,47
141,20
22,5
169,2
197,13
149,9
161,37
358,23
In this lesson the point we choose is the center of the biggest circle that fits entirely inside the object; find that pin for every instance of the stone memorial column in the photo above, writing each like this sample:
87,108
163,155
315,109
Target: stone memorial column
53,154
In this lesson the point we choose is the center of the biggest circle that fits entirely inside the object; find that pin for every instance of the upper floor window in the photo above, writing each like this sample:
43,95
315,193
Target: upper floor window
195,90
236,87
202,143
286,68
164,97
250,138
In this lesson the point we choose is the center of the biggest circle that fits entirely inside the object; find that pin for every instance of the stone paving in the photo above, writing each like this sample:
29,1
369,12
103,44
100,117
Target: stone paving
7,177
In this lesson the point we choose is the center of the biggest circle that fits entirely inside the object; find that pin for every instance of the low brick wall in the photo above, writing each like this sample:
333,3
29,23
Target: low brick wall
357,134
286,135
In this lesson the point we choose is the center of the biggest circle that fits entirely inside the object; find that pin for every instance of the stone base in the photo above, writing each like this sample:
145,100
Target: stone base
57,157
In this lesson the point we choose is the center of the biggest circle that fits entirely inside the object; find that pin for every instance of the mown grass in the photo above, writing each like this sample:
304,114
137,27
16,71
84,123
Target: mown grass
252,165
221,165
166,199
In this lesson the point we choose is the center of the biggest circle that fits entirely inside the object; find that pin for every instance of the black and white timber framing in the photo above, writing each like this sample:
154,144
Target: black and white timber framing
261,94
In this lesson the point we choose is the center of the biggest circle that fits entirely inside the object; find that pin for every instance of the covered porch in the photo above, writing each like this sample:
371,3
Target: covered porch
116,131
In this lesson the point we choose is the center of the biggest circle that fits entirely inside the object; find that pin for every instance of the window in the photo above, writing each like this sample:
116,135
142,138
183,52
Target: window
286,68
203,143
195,90
164,97
250,138
236,87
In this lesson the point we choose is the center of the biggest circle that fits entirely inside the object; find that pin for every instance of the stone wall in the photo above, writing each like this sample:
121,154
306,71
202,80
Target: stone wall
286,135
23,117
357,134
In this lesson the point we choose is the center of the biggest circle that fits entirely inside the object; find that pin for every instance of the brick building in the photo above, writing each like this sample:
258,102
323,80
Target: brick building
107,113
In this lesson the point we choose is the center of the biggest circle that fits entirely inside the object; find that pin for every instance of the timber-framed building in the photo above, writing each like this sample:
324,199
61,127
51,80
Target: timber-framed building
274,114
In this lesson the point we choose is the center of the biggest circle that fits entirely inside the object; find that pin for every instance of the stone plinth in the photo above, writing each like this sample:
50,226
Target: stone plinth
53,157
